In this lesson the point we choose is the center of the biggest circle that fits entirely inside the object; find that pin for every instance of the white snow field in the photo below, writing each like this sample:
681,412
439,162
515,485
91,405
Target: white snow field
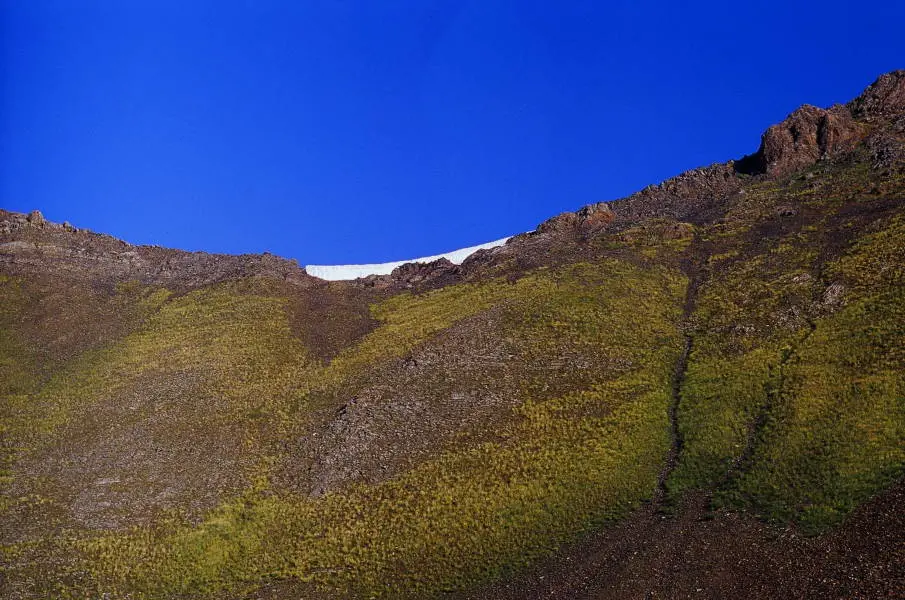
343,272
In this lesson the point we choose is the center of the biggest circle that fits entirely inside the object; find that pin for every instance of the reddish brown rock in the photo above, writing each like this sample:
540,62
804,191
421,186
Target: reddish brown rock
588,219
804,137
594,217
36,218
883,98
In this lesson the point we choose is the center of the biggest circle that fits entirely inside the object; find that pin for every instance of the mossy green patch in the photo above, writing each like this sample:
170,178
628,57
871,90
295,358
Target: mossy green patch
837,435
241,343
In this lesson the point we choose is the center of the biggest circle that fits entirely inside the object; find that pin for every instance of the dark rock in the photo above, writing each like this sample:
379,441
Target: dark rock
685,197
595,217
886,150
378,282
786,211
411,273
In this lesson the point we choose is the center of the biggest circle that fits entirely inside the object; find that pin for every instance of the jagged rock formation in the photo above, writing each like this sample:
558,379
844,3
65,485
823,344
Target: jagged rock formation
883,99
807,135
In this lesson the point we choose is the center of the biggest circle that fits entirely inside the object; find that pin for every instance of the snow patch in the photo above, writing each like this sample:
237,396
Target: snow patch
344,272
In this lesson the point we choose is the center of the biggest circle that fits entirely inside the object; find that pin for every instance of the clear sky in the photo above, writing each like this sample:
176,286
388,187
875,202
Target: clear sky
343,131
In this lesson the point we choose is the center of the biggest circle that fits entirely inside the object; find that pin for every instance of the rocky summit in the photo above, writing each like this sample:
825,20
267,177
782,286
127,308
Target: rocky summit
697,391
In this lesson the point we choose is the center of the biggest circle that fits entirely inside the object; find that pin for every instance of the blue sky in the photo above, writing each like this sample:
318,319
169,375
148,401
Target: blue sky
341,131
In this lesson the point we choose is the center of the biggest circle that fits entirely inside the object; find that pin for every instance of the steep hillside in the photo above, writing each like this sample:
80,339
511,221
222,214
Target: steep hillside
695,390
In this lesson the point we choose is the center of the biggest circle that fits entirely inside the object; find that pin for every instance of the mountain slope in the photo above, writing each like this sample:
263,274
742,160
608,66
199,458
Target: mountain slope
726,343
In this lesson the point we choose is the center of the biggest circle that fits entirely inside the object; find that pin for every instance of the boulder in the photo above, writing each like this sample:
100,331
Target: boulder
36,218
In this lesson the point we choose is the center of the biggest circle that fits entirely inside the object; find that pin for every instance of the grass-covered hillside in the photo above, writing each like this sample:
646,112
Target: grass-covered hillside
177,426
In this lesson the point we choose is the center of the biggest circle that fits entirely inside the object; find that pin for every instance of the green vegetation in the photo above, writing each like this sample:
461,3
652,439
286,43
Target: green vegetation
838,434
407,320
240,344
561,464
459,518
793,400
748,312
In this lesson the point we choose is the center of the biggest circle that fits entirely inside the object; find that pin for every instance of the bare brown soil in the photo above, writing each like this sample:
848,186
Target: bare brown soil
702,554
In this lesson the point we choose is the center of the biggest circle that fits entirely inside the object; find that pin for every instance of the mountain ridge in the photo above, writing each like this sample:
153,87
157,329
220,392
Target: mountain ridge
807,135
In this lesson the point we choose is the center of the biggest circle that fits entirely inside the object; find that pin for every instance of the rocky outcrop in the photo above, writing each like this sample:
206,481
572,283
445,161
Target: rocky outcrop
30,243
413,273
887,150
804,137
883,106
588,219
883,99
685,197
35,218
810,133
12,221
